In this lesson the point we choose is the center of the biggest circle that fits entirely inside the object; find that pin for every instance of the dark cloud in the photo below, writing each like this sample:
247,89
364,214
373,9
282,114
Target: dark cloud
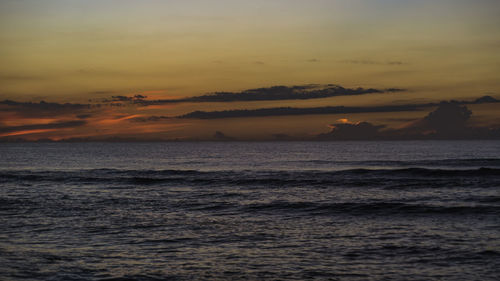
55,125
41,109
281,137
395,119
220,136
448,121
20,77
53,109
150,119
394,90
83,116
448,118
300,92
135,98
282,111
352,131
485,99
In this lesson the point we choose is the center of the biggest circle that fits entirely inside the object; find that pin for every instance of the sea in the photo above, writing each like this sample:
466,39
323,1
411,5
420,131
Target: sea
412,210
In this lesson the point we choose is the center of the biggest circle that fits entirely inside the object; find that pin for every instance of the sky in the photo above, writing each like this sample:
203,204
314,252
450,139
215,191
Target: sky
111,68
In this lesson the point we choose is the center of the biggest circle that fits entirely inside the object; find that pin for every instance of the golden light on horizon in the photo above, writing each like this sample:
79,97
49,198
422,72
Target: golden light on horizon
73,52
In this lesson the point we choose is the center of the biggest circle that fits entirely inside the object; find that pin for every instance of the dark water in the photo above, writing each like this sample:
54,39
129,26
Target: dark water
252,211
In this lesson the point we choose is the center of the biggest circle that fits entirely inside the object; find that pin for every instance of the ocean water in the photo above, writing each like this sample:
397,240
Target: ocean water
426,210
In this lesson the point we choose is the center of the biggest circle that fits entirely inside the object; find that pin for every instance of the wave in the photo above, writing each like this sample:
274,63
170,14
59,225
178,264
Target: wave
376,208
140,277
424,250
454,163
293,208
146,177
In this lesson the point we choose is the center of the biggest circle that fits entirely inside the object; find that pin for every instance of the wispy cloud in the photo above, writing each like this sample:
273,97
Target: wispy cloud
36,128
374,62
153,118
102,92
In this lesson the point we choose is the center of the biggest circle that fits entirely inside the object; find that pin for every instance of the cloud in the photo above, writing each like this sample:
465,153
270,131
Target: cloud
372,62
282,111
448,121
300,92
397,119
84,116
352,131
44,109
41,109
24,129
485,99
153,118
281,137
135,98
448,117
220,136
20,77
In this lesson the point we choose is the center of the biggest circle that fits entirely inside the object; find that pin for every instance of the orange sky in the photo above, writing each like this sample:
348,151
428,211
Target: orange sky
86,52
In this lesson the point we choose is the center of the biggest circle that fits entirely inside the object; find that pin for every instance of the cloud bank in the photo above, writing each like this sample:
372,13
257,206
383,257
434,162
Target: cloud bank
41,109
301,92
282,111
448,121
6,130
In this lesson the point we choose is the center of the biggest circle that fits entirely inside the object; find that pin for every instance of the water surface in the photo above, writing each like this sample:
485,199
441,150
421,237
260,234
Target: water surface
255,211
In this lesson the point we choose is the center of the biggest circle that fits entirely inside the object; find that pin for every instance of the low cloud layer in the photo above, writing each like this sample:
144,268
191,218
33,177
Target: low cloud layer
301,92
125,117
282,111
448,121
135,98
220,136
352,131
41,109
55,125
153,118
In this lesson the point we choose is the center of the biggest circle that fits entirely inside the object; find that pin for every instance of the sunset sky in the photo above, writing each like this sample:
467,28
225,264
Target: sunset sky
87,60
